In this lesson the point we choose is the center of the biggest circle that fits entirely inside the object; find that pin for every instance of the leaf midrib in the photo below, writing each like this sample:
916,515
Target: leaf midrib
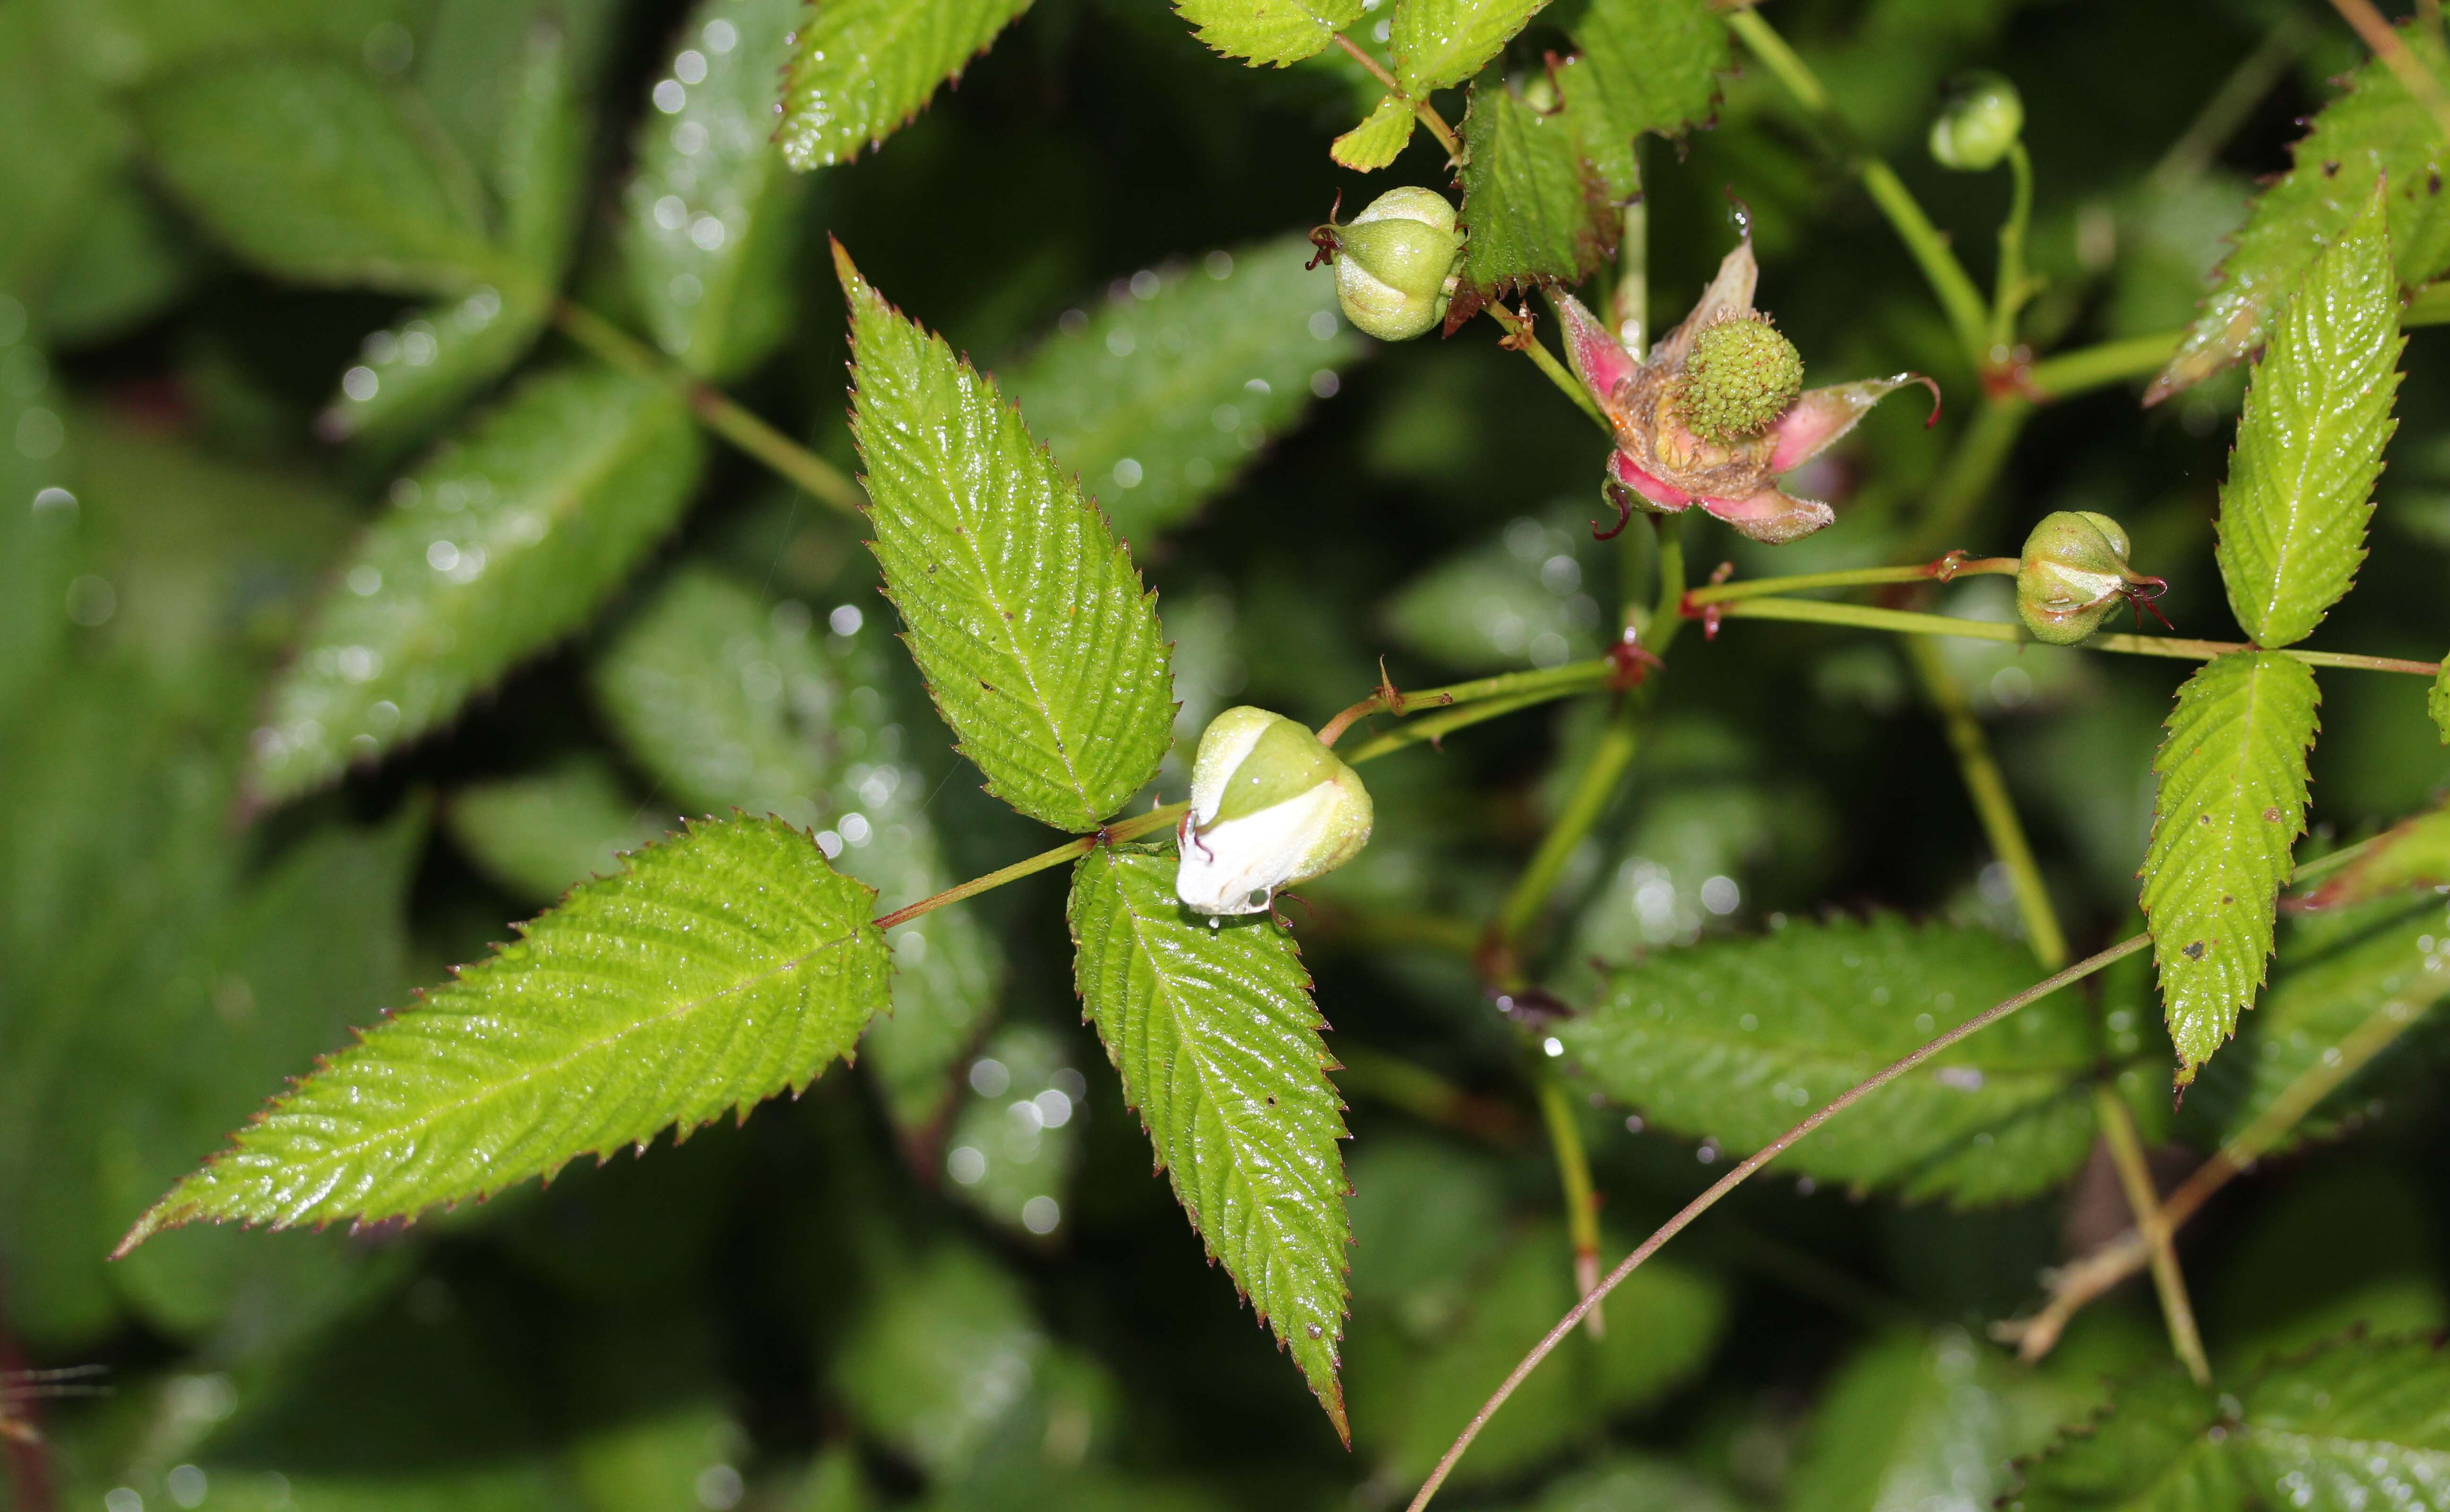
2293,538
500,1088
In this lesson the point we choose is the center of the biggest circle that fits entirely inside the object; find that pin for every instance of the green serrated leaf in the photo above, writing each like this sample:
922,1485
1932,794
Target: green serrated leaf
504,542
2334,972
1160,402
1408,1402
417,372
721,967
1270,31
2300,491
1039,645
2356,1424
1547,177
1438,44
731,704
1378,139
1735,1041
310,171
2437,701
2231,802
2374,131
860,68
713,218
1214,1031
543,833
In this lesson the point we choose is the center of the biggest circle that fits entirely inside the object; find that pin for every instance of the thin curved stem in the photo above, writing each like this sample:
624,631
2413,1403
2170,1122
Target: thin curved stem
1992,804
1422,110
1737,1177
1910,621
1523,338
2087,368
2014,285
1131,829
2153,1223
1574,1176
1943,570
1949,281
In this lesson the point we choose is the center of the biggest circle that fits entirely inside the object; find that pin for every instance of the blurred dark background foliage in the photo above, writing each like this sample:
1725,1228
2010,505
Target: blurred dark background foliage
799,1311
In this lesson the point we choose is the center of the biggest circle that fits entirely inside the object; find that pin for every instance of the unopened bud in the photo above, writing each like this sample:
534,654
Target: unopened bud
2073,574
1270,807
1741,376
1978,122
1395,263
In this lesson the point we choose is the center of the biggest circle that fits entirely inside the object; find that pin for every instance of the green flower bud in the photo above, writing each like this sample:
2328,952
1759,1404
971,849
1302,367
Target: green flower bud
2073,574
1269,807
1741,376
1396,263
1978,122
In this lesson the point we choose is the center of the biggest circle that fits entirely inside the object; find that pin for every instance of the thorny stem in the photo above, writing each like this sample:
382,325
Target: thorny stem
2393,50
1949,281
1521,337
1574,1174
2135,1180
1737,1177
2072,1287
717,411
1989,790
1424,111
1910,621
1946,569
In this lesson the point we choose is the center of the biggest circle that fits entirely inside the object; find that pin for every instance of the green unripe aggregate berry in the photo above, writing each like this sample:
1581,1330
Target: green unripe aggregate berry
1395,263
1980,120
2073,574
1739,376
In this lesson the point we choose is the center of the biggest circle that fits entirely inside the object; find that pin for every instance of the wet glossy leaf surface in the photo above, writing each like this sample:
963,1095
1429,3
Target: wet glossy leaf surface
860,68
1269,32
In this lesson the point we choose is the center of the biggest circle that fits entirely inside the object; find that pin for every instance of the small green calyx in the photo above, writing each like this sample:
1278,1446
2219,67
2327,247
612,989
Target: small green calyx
1284,763
1980,120
1395,263
1741,376
2073,574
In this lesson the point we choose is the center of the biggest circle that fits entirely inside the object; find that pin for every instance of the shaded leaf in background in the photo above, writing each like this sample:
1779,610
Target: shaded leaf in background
542,833
1517,598
1408,1403
47,193
2412,854
308,168
1013,1139
721,967
1168,393
1626,1482
1038,644
2292,518
1737,1041
2287,1283
40,532
418,371
711,218
2357,1422
2375,131
1438,44
2334,971
860,68
733,705
1923,1420
1218,1042
2231,803
506,541
1378,139
1270,31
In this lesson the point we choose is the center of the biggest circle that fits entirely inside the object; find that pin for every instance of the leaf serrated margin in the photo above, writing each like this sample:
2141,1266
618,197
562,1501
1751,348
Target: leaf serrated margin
759,962
1215,1035
2230,803
1269,33
837,98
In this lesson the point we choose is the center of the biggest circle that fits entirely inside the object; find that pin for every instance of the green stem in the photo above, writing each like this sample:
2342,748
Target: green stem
2072,373
2135,1177
1574,1176
1123,829
1989,790
2014,285
1521,337
1909,622
1737,1176
1422,110
1423,1092
1949,281
1610,758
1972,467
1942,571
713,408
